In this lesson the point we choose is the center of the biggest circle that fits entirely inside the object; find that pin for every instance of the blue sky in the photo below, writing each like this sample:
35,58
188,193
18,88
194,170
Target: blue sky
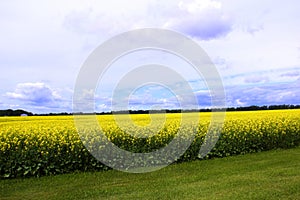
255,46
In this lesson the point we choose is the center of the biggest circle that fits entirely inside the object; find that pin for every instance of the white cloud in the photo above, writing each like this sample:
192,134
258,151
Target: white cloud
204,20
199,5
257,79
39,97
35,93
264,94
239,103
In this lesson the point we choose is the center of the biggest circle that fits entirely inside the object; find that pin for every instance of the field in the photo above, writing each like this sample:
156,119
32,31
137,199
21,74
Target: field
38,146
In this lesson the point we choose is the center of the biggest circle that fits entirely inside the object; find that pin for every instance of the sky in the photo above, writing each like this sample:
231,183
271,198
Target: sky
254,45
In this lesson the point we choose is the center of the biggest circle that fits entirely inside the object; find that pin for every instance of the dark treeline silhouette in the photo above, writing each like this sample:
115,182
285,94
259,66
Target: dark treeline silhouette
54,114
245,108
270,107
10,112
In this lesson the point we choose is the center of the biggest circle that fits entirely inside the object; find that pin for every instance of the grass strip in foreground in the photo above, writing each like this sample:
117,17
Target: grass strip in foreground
267,175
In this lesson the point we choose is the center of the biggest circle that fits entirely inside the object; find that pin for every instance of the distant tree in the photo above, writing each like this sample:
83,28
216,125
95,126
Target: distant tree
10,112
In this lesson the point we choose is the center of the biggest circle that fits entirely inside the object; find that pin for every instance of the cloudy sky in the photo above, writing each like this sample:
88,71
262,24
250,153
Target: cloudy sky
255,46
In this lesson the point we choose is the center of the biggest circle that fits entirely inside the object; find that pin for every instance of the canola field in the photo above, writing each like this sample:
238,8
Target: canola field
38,146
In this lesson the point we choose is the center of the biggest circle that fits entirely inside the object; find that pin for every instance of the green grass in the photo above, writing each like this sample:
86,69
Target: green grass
265,175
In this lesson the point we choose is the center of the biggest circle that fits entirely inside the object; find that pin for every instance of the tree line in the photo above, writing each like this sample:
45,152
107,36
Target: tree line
19,112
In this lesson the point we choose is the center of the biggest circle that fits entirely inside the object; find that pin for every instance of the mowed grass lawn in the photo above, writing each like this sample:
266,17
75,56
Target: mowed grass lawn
266,175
